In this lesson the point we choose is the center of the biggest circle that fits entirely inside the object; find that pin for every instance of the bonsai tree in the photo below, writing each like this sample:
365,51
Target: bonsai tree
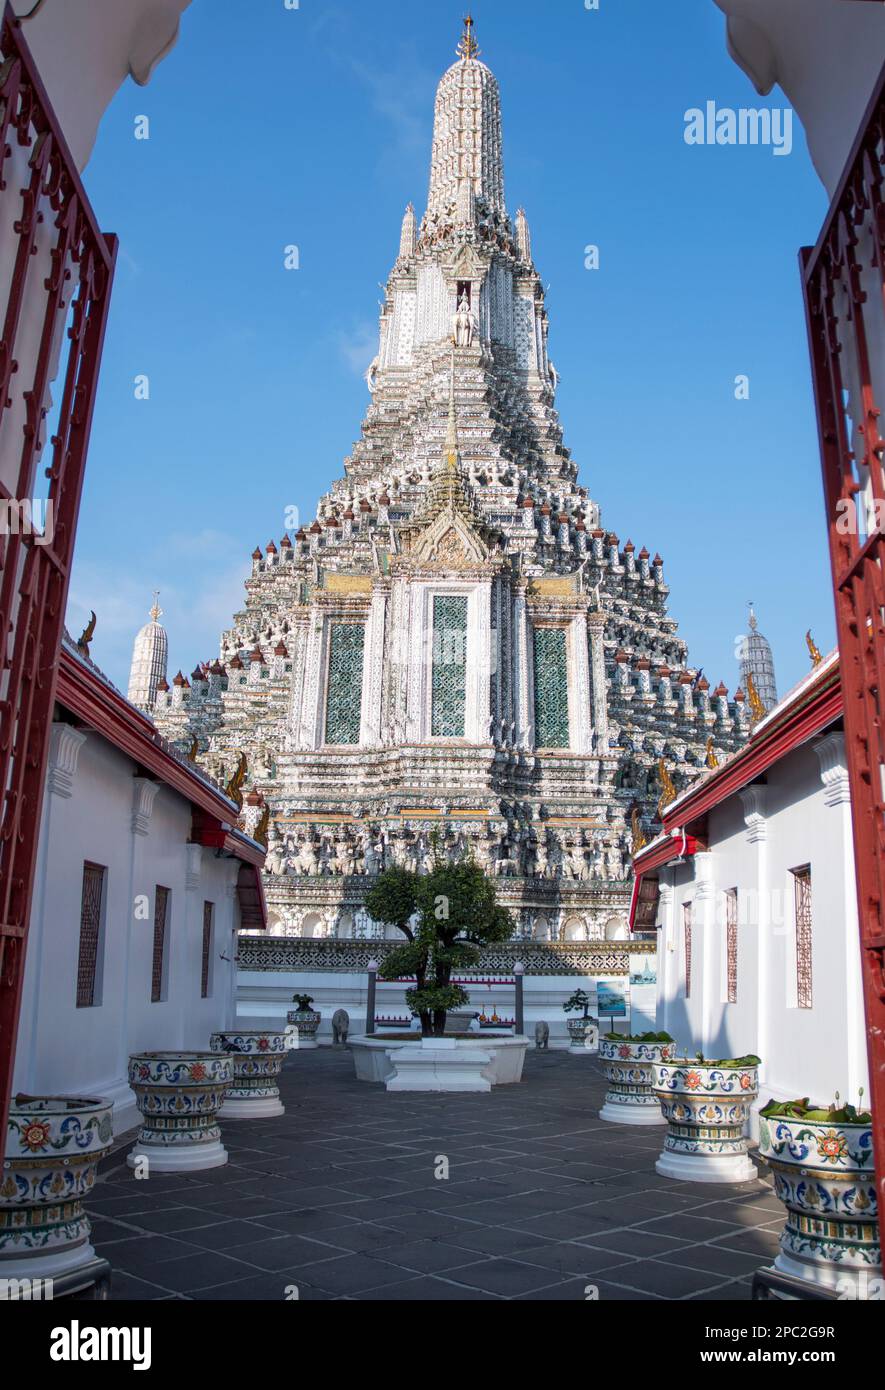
579,1000
304,1001
446,916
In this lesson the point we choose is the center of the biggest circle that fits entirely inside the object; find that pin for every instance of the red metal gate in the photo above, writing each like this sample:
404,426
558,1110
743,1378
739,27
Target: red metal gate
59,283
844,283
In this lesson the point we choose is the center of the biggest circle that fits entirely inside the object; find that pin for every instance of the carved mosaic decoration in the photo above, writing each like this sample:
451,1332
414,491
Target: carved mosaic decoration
345,687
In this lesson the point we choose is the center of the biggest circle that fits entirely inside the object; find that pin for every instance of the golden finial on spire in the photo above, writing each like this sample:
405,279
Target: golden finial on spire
813,649
156,610
468,47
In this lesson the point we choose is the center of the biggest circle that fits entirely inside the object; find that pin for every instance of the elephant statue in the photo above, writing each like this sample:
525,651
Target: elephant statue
542,1034
340,1027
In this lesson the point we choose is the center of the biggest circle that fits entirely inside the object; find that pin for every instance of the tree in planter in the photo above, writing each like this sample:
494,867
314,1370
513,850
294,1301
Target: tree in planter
579,1000
446,916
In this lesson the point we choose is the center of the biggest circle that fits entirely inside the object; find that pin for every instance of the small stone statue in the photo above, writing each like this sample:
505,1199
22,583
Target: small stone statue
340,1027
542,1034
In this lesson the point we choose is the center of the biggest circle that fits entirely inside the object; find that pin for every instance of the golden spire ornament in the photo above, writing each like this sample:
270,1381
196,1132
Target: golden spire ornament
86,636
669,792
712,760
259,834
639,837
813,649
468,47
234,788
757,709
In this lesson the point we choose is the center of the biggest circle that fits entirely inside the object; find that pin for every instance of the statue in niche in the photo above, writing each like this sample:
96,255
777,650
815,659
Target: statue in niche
465,323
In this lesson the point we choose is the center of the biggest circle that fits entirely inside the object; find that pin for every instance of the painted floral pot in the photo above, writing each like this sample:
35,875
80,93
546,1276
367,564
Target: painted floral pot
306,1021
629,1069
823,1173
706,1107
53,1147
584,1035
257,1057
179,1095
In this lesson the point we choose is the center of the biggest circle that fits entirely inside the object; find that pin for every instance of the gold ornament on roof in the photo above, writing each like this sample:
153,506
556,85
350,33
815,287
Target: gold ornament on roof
712,760
757,708
86,636
234,788
259,834
193,750
468,47
669,786
813,649
640,840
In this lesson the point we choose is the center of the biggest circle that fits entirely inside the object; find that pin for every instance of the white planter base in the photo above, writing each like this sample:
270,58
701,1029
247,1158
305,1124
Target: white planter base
440,1066
266,1108
178,1159
632,1114
582,1050
706,1167
64,1262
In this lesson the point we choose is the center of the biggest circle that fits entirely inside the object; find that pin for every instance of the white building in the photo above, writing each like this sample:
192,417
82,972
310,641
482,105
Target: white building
142,883
753,892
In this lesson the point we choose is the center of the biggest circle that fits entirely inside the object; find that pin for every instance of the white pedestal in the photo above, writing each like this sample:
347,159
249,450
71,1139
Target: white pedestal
35,1267
439,1064
706,1167
264,1109
632,1114
178,1158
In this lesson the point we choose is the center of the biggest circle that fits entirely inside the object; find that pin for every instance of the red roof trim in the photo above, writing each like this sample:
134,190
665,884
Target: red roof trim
99,706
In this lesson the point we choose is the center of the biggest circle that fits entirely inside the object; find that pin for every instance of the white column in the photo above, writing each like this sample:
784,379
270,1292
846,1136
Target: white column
579,686
373,671
703,923
834,776
753,800
523,683
64,753
479,664
598,694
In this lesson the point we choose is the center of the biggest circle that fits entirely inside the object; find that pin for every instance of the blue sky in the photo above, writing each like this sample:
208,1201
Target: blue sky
312,127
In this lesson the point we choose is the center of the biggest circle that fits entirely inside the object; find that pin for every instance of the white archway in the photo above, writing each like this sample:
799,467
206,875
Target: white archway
574,930
616,929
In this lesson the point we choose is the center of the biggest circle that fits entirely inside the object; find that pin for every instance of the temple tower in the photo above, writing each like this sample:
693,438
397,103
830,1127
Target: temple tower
756,660
149,656
455,657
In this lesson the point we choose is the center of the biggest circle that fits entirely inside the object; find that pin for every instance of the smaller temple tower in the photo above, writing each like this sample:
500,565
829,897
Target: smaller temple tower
757,661
150,653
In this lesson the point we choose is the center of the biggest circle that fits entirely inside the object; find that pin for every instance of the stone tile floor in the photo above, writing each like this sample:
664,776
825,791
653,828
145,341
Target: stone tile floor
340,1199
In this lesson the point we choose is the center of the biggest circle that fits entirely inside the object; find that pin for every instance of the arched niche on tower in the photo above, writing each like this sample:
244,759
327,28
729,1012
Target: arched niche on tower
616,929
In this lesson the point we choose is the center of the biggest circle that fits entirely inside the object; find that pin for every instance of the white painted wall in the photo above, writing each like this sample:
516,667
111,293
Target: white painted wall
755,840
96,809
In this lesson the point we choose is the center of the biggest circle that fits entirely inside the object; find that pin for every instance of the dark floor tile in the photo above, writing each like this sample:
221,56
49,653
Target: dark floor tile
506,1278
350,1274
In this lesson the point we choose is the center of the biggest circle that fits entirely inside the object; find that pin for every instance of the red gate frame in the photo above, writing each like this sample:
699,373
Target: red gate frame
34,578
848,262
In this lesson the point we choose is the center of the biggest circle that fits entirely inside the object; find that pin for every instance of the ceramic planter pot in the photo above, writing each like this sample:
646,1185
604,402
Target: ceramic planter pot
823,1174
53,1147
584,1035
307,1021
629,1069
179,1095
257,1057
706,1107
